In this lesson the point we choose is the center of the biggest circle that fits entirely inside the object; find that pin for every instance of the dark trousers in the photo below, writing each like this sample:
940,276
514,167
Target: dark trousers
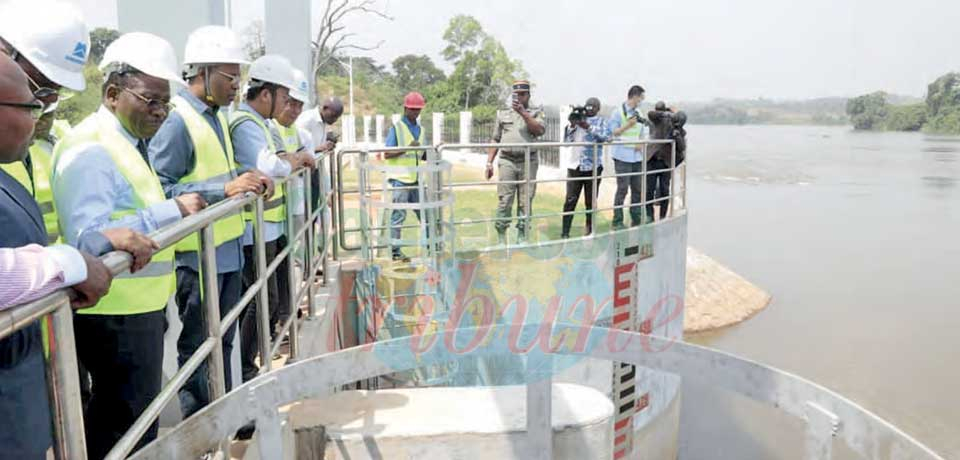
196,393
634,183
658,186
124,356
24,409
573,196
277,297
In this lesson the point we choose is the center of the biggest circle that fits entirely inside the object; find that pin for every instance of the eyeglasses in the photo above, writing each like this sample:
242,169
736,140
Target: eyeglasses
152,104
234,79
36,107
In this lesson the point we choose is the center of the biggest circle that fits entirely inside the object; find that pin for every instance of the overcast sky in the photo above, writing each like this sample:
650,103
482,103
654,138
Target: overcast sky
678,50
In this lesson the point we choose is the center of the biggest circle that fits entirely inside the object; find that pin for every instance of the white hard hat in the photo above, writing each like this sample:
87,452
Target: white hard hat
301,88
273,68
214,45
144,52
51,35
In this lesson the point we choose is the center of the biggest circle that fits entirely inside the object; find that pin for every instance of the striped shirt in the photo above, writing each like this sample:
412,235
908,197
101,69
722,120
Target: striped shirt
33,271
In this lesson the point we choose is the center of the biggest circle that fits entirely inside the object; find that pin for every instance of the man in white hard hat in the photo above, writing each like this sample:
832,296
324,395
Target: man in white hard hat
52,54
192,153
102,179
255,146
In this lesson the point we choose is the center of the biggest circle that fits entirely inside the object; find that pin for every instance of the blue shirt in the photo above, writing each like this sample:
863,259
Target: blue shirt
172,156
88,188
599,132
392,135
627,153
250,148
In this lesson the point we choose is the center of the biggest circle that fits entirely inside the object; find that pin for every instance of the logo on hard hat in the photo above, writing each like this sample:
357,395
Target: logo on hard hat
79,55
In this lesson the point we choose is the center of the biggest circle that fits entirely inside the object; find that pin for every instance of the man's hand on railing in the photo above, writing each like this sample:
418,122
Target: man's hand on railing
267,185
249,181
140,246
301,159
190,204
97,284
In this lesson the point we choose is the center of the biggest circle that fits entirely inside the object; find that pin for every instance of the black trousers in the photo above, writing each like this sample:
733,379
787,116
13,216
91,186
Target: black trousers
573,196
24,407
277,296
658,186
196,393
124,356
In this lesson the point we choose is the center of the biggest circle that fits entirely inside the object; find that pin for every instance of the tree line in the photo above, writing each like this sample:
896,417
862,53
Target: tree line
939,113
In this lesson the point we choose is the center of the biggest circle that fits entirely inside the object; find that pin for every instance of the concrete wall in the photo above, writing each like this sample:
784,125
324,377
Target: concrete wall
287,28
170,19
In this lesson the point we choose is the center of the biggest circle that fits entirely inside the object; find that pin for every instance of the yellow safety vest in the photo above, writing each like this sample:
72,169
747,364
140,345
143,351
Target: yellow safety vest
149,289
409,158
290,136
213,164
39,186
274,210
633,133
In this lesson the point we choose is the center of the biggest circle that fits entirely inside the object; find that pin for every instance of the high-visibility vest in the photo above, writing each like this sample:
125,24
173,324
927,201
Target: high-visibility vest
290,136
274,209
213,164
37,182
149,289
632,134
409,158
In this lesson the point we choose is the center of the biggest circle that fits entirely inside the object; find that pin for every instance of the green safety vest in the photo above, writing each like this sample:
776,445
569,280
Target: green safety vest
39,185
149,289
212,164
633,133
274,209
409,158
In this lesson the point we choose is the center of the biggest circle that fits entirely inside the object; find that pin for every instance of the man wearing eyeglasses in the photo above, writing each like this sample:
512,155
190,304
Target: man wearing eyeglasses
52,56
28,271
193,153
102,179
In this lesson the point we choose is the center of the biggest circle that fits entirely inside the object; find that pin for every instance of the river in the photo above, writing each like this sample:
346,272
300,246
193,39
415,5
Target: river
856,237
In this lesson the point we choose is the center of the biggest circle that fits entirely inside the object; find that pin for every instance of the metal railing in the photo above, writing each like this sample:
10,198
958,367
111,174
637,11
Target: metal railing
827,416
675,200
62,365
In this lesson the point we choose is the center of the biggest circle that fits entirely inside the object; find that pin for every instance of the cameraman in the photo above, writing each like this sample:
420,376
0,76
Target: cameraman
667,125
585,126
626,124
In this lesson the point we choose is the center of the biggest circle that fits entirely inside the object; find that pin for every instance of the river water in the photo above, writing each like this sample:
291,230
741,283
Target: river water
856,237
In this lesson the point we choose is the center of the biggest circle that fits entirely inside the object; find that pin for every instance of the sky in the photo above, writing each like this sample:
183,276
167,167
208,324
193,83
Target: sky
687,50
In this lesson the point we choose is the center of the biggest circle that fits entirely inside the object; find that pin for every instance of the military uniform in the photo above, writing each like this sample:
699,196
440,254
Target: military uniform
511,129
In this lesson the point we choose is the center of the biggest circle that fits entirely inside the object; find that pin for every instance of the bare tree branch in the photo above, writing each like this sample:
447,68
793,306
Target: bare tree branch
331,40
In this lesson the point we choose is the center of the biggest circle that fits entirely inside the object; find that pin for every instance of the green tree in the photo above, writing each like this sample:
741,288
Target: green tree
416,73
943,105
86,102
905,117
483,70
868,111
100,38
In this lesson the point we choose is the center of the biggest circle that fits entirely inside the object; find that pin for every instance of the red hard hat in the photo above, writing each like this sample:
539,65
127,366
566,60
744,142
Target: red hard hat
414,100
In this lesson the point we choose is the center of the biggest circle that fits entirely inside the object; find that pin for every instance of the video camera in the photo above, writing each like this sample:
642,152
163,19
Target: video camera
577,114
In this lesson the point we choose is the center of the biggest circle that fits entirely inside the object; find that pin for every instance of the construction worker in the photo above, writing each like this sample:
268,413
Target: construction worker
520,124
102,179
406,133
294,139
192,153
52,54
255,146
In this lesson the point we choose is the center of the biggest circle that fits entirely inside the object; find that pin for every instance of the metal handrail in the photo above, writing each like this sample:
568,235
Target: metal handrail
343,230
69,442
827,415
